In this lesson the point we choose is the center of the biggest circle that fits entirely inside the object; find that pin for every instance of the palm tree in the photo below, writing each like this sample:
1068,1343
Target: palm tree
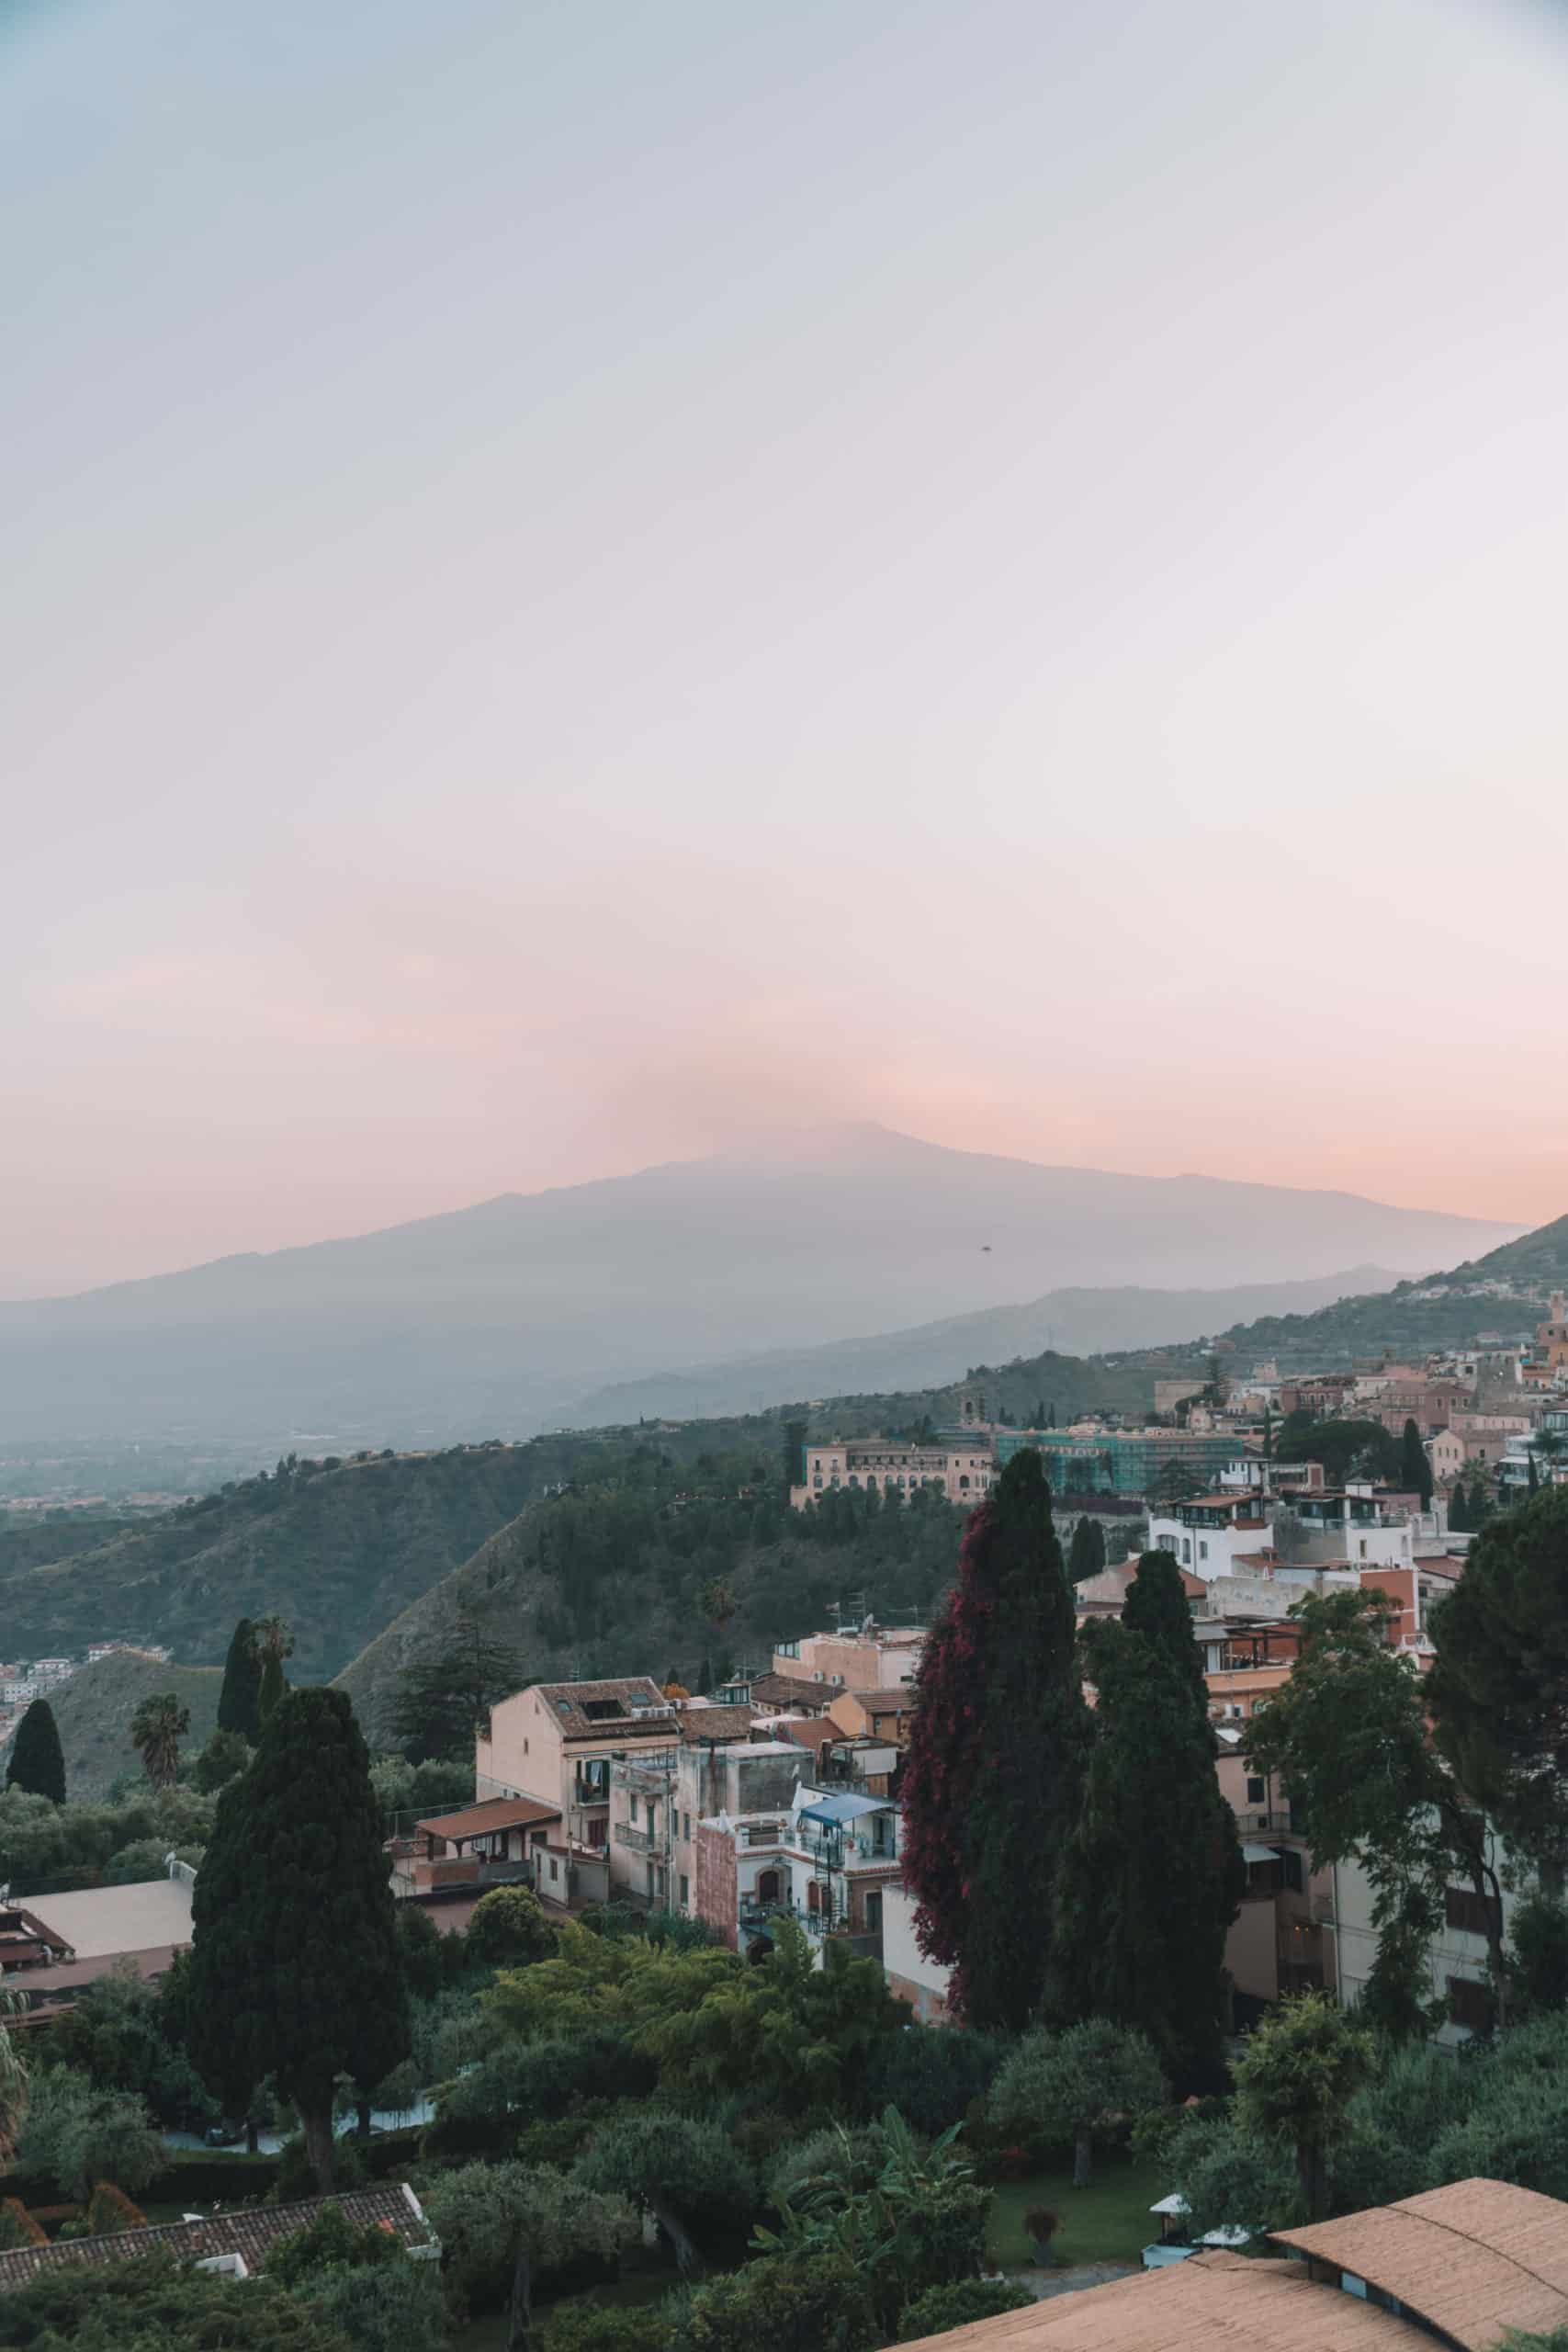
13,2078
156,1730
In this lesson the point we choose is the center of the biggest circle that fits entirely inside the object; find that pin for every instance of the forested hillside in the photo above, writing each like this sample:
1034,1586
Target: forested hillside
94,1708
1408,1318
337,1549
664,1568
340,1549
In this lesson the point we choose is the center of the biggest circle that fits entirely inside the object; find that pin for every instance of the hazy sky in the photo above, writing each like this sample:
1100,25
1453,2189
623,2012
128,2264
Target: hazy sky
581,575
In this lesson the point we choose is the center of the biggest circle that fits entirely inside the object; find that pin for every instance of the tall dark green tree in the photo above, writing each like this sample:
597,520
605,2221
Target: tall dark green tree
294,1967
996,1759
1157,1607
1152,1875
1498,1686
38,1764
441,1701
1414,1469
1085,1553
239,1701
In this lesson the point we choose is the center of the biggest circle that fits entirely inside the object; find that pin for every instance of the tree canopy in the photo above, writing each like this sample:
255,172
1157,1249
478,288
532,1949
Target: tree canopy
239,1702
996,1758
37,1763
294,1957
1152,1873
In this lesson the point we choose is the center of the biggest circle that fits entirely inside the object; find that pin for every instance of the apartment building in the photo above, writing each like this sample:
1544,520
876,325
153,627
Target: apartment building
555,1743
867,1657
1282,1940
827,1860
960,1469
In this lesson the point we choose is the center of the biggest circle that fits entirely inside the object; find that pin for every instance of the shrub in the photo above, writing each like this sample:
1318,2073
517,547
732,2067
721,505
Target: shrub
388,2307
941,2308
109,2210
77,2136
296,2175
17,2227
849,2159
329,2241
806,2303
509,1928
930,2073
607,2327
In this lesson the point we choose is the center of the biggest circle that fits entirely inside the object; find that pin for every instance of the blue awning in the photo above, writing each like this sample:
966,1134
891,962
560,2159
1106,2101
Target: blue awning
835,1810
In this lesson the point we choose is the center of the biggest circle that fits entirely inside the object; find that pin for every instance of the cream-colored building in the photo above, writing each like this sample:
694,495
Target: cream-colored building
963,1471
873,1657
557,1743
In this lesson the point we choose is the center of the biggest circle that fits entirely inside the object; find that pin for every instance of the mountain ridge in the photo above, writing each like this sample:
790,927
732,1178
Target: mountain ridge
499,1315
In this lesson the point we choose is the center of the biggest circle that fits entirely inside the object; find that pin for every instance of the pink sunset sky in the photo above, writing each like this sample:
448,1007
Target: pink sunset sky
583,579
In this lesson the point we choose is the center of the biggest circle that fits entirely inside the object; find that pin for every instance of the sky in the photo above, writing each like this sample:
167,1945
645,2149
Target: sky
584,580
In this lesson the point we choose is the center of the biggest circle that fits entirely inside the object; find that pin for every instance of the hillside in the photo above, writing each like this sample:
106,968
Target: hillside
338,1551
1074,1322
499,1317
94,1708
1443,1310
609,1580
342,1548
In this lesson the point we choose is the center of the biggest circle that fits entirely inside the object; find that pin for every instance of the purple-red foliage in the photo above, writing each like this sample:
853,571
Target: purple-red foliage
944,1761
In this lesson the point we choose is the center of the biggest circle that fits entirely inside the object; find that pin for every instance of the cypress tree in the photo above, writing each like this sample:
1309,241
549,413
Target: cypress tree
1152,1875
1157,1607
1414,1469
1085,1553
238,1701
294,1967
37,1763
1458,1509
1532,1476
995,1763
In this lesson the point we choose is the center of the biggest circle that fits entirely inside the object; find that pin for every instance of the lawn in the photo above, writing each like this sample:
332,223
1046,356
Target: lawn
1108,2221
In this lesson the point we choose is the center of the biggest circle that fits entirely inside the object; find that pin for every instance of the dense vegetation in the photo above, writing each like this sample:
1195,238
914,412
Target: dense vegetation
337,1548
626,1570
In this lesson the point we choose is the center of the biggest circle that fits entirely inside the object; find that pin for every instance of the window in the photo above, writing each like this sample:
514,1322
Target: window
1470,2004
686,1892
1202,1550
1257,1791
631,1808
1290,1869
1472,1913
686,1827
555,1867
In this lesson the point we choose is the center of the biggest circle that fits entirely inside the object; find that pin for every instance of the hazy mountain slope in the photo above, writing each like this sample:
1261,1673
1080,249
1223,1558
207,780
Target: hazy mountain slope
1074,1322
494,1318
94,1708
1443,1310
337,1552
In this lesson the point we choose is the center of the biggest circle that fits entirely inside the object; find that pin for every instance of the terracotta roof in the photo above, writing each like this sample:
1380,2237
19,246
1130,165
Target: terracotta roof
495,1812
1211,2300
716,1723
248,2234
786,1691
1472,2260
571,1702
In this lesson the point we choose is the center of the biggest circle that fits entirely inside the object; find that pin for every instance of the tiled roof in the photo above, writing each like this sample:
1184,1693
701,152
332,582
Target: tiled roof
569,1702
495,1813
1209,2301
716,1723
249,2234
787,1690
1473,2260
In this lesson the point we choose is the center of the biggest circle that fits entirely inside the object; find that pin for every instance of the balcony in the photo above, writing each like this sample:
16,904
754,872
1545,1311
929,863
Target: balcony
754,1915
641,1841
